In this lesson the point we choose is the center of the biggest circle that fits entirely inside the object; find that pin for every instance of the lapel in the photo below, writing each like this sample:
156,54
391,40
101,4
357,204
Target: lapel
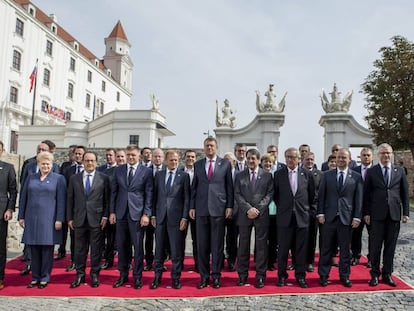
394,175
380,175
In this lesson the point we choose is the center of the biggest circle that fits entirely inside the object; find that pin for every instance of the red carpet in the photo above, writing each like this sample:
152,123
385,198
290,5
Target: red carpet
60,281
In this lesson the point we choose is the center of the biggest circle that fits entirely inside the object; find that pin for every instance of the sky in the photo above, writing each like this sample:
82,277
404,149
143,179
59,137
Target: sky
191,53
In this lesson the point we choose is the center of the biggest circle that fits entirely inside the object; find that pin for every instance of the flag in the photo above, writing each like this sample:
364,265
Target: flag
33,77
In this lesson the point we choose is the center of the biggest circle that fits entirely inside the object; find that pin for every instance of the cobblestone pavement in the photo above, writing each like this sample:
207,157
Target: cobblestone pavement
386,301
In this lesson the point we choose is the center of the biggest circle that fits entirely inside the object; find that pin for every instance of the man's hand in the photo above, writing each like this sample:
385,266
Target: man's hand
8,215
154,221
191,213
183,224
229,213
112,219
253,213
367,219
355,224
70,224
145,220
103,222
405,219
321,219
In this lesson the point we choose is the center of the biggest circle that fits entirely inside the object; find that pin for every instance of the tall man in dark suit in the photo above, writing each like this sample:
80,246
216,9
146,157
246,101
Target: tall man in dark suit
87,214
253,191
170,216
8,194
386,199
356,241
131,209
294,193
339,210
211,202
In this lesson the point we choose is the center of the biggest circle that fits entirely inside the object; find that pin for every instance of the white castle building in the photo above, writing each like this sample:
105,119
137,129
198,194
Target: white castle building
72,85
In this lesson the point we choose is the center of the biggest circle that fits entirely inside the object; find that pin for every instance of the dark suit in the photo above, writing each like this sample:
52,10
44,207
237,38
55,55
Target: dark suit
247,198
339,207
210,199
8,194
293,214
169,209
129,202
385,204
87,211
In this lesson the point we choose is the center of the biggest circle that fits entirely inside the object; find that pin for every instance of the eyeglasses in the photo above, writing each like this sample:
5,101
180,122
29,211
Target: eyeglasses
291,157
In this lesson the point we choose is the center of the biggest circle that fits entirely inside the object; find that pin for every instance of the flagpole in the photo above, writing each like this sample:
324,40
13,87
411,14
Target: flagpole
34,96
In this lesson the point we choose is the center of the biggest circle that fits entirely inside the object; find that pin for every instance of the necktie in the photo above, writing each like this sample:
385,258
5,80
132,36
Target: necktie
253,182
130,174
88,184
241,166
386,177
364,173
340,181
292,182
77,169
210,170
169,182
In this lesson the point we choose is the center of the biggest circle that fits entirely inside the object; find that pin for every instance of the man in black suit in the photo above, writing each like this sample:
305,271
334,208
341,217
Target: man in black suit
8,194
131,209
170,216
211,202
253,191
386,199
356,241
87,214
294,193
71,159
339,210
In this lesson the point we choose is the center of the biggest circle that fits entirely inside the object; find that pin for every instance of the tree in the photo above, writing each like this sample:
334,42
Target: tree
389,91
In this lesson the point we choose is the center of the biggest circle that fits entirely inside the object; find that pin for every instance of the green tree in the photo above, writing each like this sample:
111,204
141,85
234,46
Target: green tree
389,91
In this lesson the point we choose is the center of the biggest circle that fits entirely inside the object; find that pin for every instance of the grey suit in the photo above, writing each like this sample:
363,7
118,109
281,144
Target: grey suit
87,211
339,207
247,198
8,194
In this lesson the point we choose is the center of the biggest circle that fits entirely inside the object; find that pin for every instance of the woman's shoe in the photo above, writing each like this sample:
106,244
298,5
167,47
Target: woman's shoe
32,284
42,285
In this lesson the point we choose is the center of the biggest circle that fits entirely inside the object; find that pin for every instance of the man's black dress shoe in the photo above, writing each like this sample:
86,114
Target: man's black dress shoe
369,265
121,281
323,280
26,270
59,256
203,284
107,265
176,284
355,261
95,281
71,267
216,283
281,282
231,266
291,267
302,283
32,284
148,267
42,285
271,267
388,280
155,283
77,282
373,281
137,284
242,281
260,283
346,282
310,268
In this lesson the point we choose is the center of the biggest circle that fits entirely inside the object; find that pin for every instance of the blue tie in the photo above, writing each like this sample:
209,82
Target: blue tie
340,181
88,184
168,184
130,175
386,177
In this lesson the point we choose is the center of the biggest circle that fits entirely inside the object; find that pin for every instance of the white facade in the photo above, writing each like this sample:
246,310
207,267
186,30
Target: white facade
80,87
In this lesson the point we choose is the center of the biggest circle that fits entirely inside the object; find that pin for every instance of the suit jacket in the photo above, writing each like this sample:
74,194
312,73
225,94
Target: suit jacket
8,187
212,197
346,203
92,207
247,199
171,207
300,203
317,178
379,200
136,197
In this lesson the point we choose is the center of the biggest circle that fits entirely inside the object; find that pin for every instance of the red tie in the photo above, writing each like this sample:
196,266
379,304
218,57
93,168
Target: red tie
210,170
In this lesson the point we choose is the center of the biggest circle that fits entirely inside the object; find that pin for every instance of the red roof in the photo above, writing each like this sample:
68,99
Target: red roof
118,32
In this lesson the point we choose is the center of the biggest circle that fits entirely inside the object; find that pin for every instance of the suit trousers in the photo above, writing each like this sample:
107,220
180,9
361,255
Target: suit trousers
313,232
272,240
356,241
210,240
62,247
86,237
383,232
335,233
192,225
3,246
261,225
110,232
129,231
149,243
42,262
232,232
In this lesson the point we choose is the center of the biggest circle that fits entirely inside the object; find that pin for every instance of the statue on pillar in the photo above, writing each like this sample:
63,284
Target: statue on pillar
155,103
269,105
225,118
336,104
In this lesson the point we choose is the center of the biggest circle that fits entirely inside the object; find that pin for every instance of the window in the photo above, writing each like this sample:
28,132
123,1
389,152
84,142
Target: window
17,60
68,116
70,90
118,96
134,140
14,92
19,27
49,48
46,77
72,64
89,76
101,109
88,100
103,86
